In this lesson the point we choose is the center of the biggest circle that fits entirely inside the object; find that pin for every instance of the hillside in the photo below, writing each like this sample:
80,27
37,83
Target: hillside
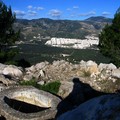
60,28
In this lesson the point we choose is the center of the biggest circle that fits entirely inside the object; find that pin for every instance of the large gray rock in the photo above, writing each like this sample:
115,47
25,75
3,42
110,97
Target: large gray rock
106,107
28,95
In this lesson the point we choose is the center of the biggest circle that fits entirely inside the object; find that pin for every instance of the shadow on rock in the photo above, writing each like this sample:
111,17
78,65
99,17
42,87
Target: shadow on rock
81,93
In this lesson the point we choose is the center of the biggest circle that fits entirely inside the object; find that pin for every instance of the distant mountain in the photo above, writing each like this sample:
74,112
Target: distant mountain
60,28
99,19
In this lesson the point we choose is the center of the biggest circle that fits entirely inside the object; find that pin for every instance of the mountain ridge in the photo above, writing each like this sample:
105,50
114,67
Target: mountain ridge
61,28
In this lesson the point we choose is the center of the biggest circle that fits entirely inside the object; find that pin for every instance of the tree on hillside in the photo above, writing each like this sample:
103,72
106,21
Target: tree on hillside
7,34
109,39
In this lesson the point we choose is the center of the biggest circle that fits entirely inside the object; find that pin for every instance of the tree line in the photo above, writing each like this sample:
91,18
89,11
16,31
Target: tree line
109,39
8,36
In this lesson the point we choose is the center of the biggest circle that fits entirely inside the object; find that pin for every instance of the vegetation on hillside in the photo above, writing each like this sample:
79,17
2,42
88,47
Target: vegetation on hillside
35,53
60,28
7,34
109,43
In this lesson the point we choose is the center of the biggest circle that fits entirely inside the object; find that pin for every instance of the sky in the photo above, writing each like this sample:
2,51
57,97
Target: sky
63,9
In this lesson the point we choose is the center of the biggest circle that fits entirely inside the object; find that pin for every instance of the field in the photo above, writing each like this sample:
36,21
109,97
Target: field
39,52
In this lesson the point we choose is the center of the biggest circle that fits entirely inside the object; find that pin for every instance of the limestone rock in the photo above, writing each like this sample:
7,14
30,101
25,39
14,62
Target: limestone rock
13,72
35,71
90,63
66,71
105,107
111,66
57,63
103,66
83,64
90,67
30,69
2,87
65,89
76,92
41,82
6,81
41,65
28,95
41,74
27,77
116,73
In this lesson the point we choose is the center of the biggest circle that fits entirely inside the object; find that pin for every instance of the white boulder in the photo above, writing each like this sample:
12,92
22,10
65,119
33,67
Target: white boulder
13,72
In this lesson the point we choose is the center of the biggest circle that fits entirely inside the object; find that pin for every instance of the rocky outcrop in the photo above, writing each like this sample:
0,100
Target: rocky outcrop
103,77
102,108
36,71
79,83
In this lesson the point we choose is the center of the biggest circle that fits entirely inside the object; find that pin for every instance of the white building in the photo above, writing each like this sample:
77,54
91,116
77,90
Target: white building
73,43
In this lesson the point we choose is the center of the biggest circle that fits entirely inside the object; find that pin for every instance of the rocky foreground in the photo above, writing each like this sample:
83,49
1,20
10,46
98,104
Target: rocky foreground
80,84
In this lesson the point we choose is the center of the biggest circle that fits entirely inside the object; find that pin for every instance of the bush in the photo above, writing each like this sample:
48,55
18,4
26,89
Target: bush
23,63
52,87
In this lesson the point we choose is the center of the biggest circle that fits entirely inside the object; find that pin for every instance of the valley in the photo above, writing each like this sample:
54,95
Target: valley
48,40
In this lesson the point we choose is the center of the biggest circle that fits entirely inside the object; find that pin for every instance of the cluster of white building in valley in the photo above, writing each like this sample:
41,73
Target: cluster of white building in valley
73,43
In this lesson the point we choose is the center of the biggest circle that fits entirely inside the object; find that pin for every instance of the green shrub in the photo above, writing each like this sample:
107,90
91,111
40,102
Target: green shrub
86,73
31,82
52,87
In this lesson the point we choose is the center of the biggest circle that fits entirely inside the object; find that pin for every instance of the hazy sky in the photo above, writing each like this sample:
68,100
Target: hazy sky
63,9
